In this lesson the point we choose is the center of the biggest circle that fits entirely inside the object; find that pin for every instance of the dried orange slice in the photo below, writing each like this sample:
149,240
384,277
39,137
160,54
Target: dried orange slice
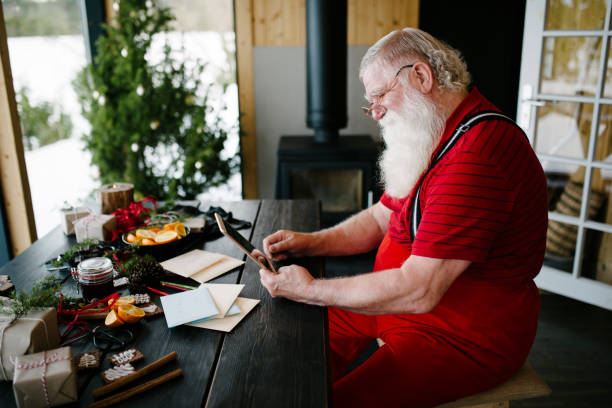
123,300
131,238
155,230
180,229
113,320
147,241
166,236
145,233
130,313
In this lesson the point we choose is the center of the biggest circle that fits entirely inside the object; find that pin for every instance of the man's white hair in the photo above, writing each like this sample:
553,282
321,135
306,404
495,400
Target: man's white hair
405,46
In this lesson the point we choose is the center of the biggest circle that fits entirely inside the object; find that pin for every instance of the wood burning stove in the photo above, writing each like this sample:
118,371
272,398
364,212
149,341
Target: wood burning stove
343,175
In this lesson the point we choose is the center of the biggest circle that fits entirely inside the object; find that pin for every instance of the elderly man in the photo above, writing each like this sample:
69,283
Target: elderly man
452,292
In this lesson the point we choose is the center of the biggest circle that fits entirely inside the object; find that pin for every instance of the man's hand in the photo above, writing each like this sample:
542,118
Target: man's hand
284,244
292,282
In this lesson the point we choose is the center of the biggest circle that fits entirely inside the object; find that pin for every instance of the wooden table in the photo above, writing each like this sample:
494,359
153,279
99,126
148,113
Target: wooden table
276,357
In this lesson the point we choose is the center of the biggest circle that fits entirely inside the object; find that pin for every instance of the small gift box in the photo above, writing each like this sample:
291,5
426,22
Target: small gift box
45,379
96,226
31,333
70,215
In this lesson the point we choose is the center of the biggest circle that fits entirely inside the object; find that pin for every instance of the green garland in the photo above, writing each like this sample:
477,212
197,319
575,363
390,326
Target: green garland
45,293
68,256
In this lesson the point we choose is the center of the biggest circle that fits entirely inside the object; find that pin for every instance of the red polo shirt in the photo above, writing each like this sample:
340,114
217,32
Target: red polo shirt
486,202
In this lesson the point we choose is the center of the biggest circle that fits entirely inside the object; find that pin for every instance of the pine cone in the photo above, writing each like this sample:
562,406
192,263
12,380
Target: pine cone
144,271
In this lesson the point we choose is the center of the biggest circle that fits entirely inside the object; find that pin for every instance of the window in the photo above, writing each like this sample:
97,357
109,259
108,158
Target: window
47,50
206,31
567,60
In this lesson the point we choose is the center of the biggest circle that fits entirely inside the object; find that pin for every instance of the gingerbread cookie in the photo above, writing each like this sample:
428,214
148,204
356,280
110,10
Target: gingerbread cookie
87,361
127,356
120,282
141,298
151,309
116,373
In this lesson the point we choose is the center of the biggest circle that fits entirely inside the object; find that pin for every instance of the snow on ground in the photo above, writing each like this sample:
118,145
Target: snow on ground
57,173
60,173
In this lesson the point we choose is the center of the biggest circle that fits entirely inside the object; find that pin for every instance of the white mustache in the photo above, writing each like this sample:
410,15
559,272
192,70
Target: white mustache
411,135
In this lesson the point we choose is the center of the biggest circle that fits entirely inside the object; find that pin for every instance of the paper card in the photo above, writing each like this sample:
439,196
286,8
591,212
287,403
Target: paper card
225,264
201,265
228,323
234,310
188,306
224,295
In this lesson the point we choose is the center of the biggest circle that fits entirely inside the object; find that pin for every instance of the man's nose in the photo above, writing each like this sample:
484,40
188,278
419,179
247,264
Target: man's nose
378,114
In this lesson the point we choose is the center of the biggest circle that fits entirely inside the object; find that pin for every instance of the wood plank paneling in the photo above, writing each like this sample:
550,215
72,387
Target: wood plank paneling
244,14
14,177
369,20
279,22
283,22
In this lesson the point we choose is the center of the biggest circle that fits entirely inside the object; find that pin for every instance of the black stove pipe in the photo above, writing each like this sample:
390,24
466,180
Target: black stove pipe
326,68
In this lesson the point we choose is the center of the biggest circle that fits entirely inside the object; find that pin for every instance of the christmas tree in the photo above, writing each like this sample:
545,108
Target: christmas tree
152,123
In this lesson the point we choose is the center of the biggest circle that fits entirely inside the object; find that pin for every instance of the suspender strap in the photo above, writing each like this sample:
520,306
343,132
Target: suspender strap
463,127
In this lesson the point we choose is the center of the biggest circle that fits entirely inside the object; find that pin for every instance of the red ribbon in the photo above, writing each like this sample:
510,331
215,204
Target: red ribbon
84,310
132,216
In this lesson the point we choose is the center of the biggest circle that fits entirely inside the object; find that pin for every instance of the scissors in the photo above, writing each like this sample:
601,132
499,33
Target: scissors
105,339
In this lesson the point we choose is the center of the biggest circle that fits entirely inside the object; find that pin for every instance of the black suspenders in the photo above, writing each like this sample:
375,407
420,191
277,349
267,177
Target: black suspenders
463,127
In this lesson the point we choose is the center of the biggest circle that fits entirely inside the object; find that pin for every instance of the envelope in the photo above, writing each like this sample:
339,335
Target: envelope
188,306
200,265
228,323
224,296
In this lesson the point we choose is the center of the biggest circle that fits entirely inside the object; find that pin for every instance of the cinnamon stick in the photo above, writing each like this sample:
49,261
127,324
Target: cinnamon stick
113,399
134,376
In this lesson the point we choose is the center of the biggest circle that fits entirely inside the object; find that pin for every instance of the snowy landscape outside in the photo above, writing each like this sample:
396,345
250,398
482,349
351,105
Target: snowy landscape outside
61,172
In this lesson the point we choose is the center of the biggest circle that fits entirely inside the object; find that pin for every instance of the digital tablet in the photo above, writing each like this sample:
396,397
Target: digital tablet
242,243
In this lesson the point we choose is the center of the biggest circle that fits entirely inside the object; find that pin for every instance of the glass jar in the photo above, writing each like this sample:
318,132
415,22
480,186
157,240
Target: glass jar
95,277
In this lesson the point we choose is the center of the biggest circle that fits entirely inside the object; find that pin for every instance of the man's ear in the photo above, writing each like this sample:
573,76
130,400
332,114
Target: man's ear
423,78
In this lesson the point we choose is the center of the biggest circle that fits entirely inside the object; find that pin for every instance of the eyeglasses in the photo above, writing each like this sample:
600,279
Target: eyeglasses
375,106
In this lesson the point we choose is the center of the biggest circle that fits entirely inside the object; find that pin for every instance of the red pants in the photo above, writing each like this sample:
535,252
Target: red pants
415,368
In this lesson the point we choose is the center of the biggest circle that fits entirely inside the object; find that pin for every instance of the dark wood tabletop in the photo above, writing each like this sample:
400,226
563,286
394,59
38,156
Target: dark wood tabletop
275,357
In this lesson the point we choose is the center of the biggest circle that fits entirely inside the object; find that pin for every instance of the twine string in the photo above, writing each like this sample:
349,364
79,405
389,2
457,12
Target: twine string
44,362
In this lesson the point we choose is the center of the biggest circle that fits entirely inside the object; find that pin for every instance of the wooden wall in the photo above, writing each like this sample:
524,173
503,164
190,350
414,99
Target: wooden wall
261,23
14,178
283,22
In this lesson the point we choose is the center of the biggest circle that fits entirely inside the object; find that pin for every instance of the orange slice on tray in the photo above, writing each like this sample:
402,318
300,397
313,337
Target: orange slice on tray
177,226
130,313
144,233
147,241
166,236
112,320
131,238
180,229
123,300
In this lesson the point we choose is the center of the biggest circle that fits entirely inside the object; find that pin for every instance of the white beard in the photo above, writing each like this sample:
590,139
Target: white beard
411,135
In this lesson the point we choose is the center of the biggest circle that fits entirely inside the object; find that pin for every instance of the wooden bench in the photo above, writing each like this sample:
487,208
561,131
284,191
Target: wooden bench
525,384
